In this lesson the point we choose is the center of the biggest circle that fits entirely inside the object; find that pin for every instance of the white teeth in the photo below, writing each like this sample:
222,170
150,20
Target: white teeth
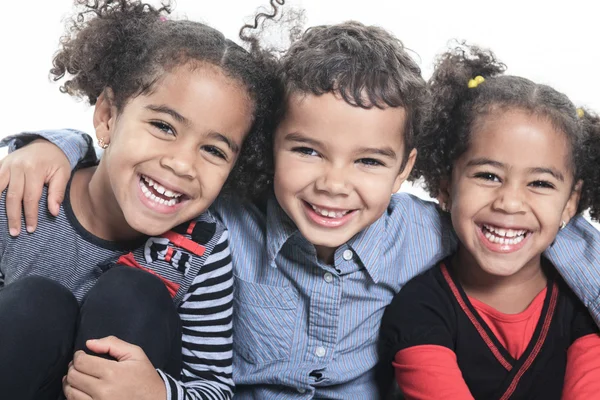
161,189
504,236
329,213
146,191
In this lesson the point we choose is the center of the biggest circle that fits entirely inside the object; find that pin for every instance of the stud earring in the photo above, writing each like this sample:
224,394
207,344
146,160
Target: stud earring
562,225
444,207
102,143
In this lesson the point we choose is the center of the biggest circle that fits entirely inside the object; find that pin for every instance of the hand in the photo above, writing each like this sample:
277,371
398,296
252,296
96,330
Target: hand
131,377
25,171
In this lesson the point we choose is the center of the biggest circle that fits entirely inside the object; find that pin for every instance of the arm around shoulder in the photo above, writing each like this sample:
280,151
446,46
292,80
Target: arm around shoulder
576,255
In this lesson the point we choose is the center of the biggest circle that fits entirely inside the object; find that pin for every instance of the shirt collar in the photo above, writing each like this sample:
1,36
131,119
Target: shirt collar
279,229
366,245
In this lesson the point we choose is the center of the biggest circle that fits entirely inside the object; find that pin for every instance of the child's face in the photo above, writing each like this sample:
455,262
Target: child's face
171,150
511,190
336,167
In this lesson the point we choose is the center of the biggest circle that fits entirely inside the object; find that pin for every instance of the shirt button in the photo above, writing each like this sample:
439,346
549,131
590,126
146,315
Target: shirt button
320,352
347,255
328,277
301,390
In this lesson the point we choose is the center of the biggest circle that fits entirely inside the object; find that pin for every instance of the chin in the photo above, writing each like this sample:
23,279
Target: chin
502,268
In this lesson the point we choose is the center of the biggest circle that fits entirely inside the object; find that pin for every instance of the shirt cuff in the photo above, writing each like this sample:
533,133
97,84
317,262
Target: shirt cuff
76,145
168,386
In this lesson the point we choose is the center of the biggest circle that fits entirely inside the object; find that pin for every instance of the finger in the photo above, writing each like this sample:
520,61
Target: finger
32,193
14,201
4,176
115,347
57,185
72,393
92,366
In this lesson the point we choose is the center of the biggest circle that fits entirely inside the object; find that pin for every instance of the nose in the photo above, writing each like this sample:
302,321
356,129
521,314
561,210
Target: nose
510,199
180,160
333,181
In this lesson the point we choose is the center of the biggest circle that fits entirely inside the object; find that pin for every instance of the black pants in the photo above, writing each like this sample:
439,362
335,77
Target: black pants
41,325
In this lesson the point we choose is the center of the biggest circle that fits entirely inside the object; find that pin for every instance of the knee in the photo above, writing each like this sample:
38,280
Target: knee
40,296
129,288
39,305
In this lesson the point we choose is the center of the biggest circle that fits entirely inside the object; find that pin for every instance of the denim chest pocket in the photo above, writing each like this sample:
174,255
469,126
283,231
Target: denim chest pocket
264,321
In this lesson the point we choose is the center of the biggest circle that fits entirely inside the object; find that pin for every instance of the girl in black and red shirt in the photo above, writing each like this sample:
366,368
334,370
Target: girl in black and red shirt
511,161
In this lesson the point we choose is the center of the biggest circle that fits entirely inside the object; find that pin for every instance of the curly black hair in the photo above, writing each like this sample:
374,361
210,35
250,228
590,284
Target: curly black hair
455,109
128,45
365,65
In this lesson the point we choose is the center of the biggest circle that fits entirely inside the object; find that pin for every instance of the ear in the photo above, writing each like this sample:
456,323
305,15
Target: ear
571,207
104,115
444,197
410,163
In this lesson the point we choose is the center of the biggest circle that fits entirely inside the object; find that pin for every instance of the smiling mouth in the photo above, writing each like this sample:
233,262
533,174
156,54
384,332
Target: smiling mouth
159,194
504,236
329,213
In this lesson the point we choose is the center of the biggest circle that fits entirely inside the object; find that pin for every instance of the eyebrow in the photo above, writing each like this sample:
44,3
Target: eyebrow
536,170
383,151
167,110
478,162
541,170
183,120
298,137
222,138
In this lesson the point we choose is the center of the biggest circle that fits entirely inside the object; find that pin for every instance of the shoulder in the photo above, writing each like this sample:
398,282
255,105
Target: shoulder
232,210
426,290
421,313
410,209
579,319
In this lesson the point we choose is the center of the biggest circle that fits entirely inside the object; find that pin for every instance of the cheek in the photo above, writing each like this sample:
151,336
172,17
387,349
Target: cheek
293,173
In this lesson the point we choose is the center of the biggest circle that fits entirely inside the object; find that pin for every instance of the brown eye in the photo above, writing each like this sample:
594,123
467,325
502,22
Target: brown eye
163,127
215,151
306,151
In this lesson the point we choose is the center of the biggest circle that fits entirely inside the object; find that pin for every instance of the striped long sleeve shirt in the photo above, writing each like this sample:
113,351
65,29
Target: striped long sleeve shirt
201,285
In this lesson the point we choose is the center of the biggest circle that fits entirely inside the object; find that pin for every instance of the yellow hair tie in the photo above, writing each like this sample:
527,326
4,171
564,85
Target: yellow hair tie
473,83
580,112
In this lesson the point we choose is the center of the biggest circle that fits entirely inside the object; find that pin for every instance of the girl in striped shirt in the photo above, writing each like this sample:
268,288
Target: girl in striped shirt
147,314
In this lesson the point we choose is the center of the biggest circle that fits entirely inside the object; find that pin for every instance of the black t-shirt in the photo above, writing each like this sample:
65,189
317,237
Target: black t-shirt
433,309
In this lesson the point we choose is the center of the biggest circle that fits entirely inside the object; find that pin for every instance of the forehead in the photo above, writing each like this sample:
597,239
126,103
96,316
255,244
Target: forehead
519,138
331,119
204,95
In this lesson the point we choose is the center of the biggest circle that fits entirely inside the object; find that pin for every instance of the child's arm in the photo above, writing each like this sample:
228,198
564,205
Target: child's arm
582,376
206,317
41,162
417,336
430,372
576,255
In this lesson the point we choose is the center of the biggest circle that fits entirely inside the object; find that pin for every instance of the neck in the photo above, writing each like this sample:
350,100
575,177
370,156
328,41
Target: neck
508,294
325,254
96,208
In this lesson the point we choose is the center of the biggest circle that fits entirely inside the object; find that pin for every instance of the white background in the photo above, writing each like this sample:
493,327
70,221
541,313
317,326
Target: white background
553,44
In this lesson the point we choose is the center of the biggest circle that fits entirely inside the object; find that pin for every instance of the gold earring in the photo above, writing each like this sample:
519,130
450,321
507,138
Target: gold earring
102,143
562,225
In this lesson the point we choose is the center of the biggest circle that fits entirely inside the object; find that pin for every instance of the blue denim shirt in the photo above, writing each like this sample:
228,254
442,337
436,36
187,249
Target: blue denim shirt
304,329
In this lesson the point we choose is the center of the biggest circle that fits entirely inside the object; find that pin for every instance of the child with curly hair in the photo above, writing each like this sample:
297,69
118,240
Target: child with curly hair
327,242
512,162
133,274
